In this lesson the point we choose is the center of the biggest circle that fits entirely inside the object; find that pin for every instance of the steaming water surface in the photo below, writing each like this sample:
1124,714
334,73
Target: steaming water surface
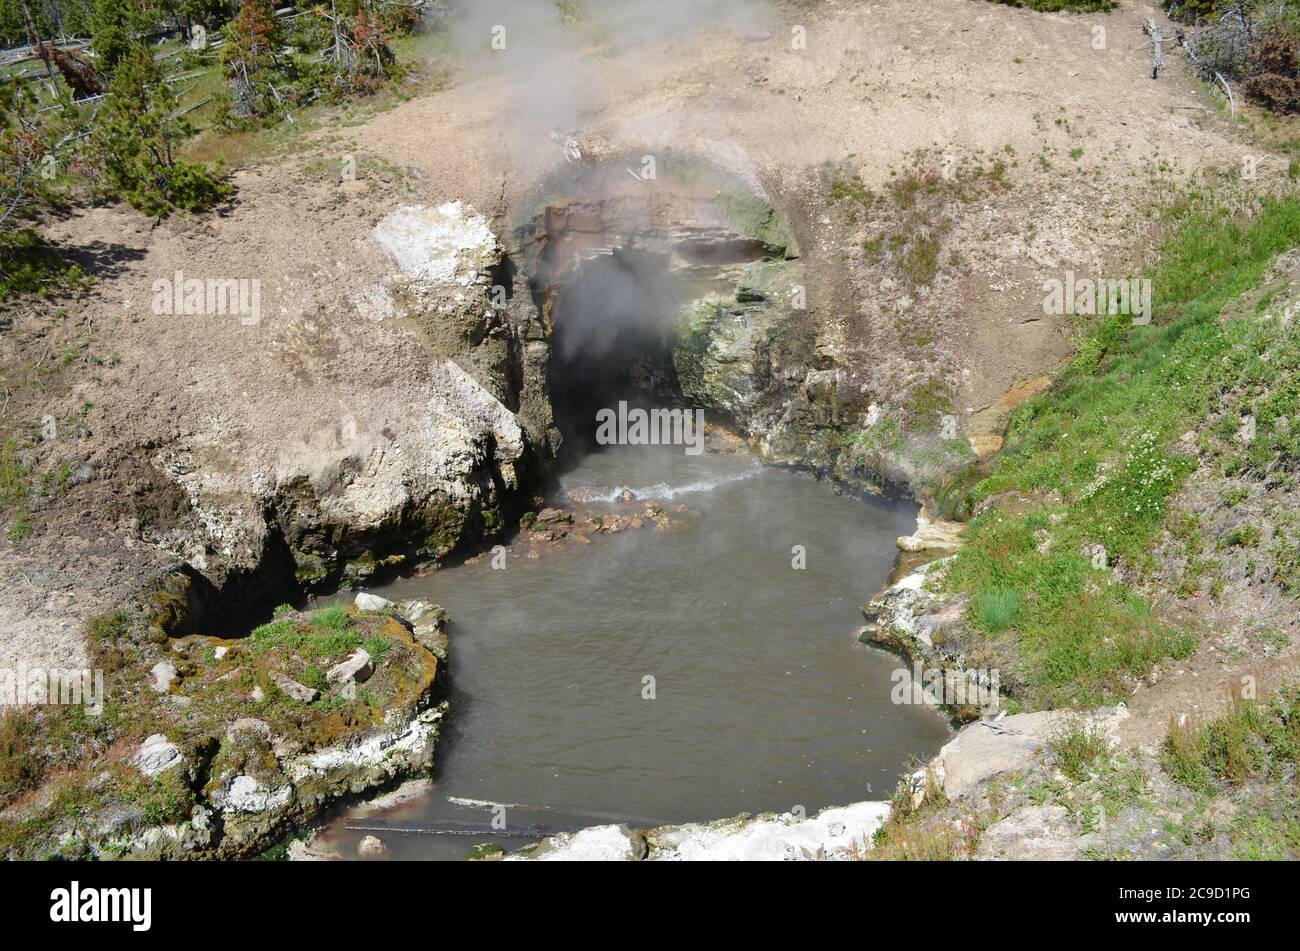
763,700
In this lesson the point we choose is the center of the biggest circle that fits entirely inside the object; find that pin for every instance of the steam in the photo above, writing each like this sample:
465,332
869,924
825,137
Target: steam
614,300
557,74
550,63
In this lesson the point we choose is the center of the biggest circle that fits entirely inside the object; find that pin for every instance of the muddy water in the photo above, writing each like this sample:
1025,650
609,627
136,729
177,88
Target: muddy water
762,699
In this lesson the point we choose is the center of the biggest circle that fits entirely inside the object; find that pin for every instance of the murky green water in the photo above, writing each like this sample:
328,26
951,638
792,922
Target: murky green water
762,700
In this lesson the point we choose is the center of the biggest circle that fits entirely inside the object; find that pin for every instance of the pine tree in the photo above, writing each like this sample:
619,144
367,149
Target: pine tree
21,151
251,58
113,25
135,138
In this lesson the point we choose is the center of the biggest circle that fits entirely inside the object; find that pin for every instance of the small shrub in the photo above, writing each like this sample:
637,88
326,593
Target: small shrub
1078,748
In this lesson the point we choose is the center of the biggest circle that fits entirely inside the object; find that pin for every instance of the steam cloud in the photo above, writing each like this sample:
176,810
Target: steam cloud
553,68
561,57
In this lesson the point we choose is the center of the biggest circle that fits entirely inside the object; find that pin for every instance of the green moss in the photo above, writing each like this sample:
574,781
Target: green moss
883,436
486,850
163,799
754,217
310,569
171,603
360,569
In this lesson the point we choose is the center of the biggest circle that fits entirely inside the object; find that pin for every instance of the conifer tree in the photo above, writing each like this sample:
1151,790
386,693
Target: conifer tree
251,57
21,152
135,138
113,25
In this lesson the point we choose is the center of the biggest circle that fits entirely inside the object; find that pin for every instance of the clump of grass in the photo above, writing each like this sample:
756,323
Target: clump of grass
1078,748
996,608
333,618
282,633
928,839
20,767
1185,755
919,831
1250,739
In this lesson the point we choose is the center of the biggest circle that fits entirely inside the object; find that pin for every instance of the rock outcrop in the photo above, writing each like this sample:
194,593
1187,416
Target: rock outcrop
837,833
954,666
249,751
390,472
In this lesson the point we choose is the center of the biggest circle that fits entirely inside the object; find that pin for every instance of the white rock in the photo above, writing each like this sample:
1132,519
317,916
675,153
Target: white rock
415,609
371,602
157,754
596,844
357,667
909,543
981,751
164,673
246,794
296,690
832,834
1037,833
371,847
446,244
220,652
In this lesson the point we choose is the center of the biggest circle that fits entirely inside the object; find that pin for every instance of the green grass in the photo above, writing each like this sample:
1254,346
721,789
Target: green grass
1251,739
1260,837
1253,747
334,618
1078,748
996,608
1095,457
276,634
326,633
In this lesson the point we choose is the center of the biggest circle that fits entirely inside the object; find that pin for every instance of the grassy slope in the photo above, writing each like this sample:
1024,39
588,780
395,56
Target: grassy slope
1096,461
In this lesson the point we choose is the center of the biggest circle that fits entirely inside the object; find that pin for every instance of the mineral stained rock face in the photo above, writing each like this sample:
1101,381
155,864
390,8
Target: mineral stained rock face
395,465
743,343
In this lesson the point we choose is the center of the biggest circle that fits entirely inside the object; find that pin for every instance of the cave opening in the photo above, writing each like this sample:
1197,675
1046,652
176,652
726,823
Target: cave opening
614,323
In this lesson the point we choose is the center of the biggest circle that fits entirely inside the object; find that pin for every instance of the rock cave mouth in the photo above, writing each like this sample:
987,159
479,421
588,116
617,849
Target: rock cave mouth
616,267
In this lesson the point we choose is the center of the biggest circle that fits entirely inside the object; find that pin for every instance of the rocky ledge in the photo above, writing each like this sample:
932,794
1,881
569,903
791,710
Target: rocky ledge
966,771
953,666
243,740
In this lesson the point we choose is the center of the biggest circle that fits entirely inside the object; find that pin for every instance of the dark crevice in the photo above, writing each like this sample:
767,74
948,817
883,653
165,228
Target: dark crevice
611,341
